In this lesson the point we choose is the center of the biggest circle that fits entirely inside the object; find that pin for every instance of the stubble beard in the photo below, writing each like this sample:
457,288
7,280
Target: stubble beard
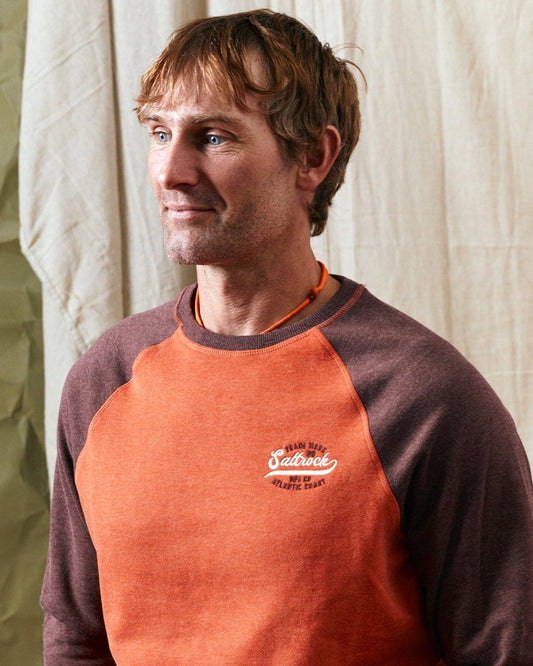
225,239
187,242
196,246
219,241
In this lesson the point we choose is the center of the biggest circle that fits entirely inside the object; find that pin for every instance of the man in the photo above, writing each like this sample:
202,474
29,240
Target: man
277,468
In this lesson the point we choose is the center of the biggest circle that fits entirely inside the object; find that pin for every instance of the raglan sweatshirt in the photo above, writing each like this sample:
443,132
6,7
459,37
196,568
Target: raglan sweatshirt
343,490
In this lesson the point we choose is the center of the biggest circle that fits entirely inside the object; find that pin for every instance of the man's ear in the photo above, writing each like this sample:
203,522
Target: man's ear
318,160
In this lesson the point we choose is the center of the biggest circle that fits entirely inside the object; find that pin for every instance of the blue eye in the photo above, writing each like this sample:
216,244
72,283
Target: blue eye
160,136
214,140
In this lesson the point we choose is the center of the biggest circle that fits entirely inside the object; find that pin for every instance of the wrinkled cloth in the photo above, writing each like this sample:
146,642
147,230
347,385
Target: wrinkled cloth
435,214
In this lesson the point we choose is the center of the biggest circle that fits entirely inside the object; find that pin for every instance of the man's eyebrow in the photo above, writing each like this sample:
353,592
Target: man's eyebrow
153,117
147,117
215,119
199,119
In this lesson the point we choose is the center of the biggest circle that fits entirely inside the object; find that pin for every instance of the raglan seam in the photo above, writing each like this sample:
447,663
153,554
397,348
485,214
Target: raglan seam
347,306
111,398
369,441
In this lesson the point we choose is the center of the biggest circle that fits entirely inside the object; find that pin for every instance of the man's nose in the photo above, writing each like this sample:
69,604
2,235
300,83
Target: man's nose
178,166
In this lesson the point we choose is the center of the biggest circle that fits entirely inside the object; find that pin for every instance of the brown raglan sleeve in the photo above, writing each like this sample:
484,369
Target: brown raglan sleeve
74,631
74,628
467,513
455,463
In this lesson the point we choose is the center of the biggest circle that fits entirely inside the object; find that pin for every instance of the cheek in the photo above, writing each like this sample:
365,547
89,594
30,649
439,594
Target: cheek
152,168
252,176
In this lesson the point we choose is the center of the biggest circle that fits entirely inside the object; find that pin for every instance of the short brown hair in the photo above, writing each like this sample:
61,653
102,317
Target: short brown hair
307,88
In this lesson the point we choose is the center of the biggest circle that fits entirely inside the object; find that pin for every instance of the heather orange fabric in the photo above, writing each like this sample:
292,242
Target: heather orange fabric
252,533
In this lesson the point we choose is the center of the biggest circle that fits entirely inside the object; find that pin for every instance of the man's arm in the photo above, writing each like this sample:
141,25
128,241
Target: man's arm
469,523
460,475
74,630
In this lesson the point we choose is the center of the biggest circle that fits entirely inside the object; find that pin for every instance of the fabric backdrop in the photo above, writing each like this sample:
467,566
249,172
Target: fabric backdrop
24,498
435,216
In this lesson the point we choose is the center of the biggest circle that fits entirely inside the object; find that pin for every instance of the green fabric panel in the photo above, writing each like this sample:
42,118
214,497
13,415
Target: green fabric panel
24,497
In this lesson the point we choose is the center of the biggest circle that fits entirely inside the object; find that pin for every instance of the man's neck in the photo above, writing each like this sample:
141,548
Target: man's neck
247,300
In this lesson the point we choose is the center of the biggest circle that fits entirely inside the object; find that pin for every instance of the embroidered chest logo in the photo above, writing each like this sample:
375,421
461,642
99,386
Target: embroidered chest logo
301,466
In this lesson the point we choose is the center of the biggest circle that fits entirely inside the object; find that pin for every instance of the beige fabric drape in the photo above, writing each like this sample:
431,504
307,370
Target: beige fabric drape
435,216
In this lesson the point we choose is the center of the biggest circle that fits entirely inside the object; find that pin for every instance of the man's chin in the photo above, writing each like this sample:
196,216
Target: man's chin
191,256
180,258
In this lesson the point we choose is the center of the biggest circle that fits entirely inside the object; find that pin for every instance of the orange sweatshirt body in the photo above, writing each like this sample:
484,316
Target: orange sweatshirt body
247,503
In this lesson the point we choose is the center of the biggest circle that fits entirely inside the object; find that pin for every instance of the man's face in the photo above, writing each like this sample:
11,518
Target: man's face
226,194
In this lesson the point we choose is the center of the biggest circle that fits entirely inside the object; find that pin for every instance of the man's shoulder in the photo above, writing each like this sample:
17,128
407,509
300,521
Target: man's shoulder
149,327
389,353
111,356
106,366
373,327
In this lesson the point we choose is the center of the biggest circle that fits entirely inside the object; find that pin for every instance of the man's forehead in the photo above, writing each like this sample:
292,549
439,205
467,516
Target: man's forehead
201,103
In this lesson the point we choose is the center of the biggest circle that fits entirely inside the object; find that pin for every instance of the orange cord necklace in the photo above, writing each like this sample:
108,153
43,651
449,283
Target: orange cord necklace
310,297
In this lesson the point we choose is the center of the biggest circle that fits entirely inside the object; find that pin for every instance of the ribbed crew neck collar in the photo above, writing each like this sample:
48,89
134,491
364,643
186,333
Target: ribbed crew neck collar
185,315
